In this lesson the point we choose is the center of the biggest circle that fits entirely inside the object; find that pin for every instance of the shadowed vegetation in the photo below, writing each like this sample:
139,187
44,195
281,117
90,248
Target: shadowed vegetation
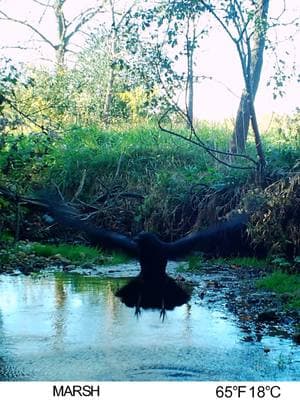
285,284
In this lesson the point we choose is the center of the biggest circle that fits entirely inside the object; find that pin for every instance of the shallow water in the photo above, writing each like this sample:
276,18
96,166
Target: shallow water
60,326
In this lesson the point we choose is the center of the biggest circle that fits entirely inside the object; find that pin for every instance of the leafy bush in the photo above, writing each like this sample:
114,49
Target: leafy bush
276,223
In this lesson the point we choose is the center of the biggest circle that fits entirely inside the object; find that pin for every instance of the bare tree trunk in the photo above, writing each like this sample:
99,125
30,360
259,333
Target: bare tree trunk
190,47
112,74
190,90
60,53
241,126
109,97
60,49
260,173
243,116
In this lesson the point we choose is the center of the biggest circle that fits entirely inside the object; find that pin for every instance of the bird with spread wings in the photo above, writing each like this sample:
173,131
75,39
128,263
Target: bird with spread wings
223,239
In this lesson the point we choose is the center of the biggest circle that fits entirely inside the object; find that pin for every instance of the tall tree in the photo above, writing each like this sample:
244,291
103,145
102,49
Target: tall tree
176,28
66,28
245,22
195,31
256,61
191,42
115,36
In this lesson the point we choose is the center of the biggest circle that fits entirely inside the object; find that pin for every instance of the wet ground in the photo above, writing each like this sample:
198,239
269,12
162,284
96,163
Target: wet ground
62,325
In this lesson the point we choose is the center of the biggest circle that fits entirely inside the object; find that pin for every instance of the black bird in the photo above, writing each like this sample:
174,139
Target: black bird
153,288
153,254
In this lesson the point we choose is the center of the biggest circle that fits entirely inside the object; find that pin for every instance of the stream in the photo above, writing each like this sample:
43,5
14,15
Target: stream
57,325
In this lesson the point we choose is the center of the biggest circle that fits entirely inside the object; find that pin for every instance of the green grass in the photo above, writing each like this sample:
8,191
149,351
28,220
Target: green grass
78,253
74,253
283,283
160,159
242,261
6,237
117,258
135,152
193,264
195,261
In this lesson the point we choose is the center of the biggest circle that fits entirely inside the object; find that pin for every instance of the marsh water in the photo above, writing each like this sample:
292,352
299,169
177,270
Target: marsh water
67,326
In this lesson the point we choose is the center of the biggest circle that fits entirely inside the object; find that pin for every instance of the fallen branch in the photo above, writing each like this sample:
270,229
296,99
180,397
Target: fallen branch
21,200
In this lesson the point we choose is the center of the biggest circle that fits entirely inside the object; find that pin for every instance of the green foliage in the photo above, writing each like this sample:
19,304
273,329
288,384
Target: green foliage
6,238
196,261
74,253
51,101
280,262
77,253
194,264
22,253
282,143
79,95
9,77
283,283
23,158
276,222
141,152
5,257
280,282
183,187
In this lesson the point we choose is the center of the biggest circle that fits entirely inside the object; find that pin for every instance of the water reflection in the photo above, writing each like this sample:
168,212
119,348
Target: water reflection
162,294
73,327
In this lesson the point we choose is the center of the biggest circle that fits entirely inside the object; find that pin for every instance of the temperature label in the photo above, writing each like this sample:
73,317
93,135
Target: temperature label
244,391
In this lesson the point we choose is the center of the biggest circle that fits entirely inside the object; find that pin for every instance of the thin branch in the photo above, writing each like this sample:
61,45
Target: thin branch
16,198
209,149
23,114
206,148
85,18
79,16
199,142
293,21
44,12
225,86
18,47
126,13
283,10
81,185
209,8
43,4
236,22
25,23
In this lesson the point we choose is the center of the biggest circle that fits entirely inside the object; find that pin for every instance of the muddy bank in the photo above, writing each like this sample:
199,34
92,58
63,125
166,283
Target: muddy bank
258,312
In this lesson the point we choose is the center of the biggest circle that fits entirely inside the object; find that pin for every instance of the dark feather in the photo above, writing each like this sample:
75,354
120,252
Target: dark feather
104,238
223,239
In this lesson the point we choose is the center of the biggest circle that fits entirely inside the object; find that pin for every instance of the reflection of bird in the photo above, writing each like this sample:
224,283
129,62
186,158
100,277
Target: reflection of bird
153,254
163,293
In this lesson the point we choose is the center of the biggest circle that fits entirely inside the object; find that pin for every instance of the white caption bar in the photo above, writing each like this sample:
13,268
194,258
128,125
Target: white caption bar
149,390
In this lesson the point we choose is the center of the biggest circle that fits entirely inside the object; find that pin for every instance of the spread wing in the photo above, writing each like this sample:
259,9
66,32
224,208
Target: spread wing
104,238
222,239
